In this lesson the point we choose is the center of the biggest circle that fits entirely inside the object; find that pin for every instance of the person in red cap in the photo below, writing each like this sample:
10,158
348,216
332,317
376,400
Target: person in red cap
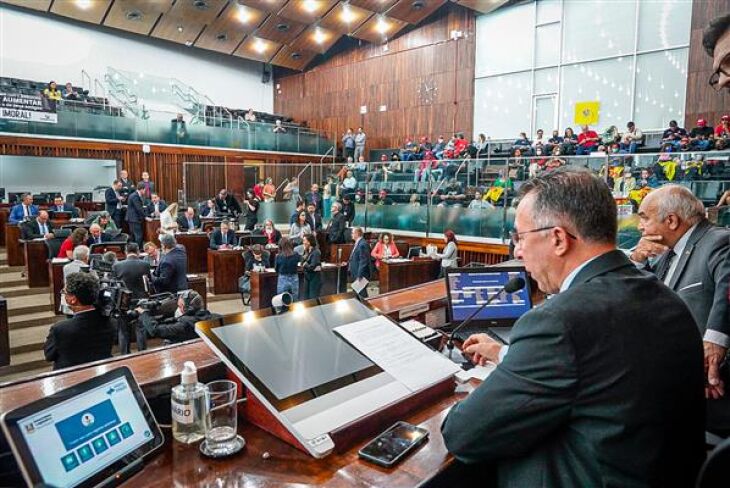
722,133
701,137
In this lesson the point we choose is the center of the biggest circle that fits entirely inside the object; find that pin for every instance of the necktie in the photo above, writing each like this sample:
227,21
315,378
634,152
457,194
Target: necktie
26,211
190,224
664,270
44,230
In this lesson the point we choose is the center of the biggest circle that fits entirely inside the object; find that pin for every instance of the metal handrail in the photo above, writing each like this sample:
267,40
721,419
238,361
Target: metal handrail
85,76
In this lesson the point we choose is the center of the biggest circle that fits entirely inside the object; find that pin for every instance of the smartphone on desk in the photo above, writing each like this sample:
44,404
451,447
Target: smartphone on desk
394,444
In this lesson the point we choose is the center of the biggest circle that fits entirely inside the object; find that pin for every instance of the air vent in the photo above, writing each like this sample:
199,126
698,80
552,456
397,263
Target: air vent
221,37
282,27
418,4
296,56
200,4
134,15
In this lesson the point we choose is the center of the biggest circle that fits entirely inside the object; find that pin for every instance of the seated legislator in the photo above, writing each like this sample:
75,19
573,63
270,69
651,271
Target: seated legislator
60,206
336,227
601,385
273,236
96,236
384,249
77,238
188,221
105,222
25,210
223,237
171,273
38,228
85,337
190,310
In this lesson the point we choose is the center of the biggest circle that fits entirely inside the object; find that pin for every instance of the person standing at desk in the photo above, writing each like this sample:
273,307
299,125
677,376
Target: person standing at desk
168,220
287,265
136,214
336,227
148,187
384,249
359,264
113,200
222,238
603,384
312,265
252,208
155,206
449,257
39,228
132,272
23,211
171,274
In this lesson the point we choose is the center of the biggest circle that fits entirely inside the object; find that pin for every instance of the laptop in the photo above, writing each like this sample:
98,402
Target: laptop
94,433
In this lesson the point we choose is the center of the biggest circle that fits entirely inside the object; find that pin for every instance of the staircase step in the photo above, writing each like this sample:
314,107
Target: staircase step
24,370
34,319
24,291
22,338
12,283
31,309
11,269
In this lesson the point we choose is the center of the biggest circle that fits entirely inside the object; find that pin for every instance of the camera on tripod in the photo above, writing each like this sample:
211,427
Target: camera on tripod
161,304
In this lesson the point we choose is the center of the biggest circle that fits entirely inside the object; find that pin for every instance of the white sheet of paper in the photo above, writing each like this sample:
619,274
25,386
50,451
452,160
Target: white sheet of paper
397,352
477,372
359,284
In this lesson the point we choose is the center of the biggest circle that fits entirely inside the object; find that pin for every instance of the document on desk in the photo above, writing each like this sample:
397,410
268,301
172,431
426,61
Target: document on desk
397,352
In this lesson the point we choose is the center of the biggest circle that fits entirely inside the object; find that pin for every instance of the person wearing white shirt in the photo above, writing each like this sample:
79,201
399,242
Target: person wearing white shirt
349,183
450,255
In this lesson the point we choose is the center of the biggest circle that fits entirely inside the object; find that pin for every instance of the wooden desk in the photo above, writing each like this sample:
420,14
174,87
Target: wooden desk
87,207
4,333
150,230
332,252
397,275
224,269
199,284
55,279
4,213
196,247
36,270
13,246
263,285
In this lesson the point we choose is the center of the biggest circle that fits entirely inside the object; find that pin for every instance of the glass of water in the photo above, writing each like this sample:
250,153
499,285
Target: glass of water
221,438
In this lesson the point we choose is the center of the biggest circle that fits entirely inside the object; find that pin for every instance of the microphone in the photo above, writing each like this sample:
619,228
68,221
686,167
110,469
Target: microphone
512,286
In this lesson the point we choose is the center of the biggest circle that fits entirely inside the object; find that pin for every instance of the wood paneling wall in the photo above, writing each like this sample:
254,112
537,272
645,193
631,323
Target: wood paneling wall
166,164
330,95
702,101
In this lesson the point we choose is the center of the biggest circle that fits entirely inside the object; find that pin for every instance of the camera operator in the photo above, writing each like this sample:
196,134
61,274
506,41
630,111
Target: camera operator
181,327
132,272
85,337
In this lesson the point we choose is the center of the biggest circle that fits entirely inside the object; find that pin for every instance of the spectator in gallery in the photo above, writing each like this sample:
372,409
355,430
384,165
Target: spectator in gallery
555,140
587,141
349,183
460,144
269,190
348,144
415,200
178,129
673,135
258,191
360,140
395,163
478,203
647,179
481,145
722,133
52,93
555,161
278,128
700,137
627,183
570,142
631,139
291,190
384,198
522,143
610,136
250,116
539,141
69,93
439,147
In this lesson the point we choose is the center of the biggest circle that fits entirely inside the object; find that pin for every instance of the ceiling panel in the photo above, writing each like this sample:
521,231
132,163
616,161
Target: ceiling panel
378,6
279,29
315,39
257,49
32,4
83,10
344,18
138,16
269,6
483,6
379,29
414,11
293,59
306,11
228,30
186,19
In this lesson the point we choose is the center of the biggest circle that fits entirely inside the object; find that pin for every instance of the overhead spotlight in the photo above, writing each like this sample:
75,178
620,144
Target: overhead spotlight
319,36
259,46
180,28
296,55
347,14
200,4
282,27
310,6
244,14
221,37
418,4
188,43
83,4
134,15
382,26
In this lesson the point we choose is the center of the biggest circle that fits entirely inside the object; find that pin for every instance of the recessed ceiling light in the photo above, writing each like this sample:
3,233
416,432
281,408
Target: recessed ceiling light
282,27
319,36
296,56
221,37
244,14
200,4
347,14
259,46
179,28
83,4
382,26
310,6
134,15
418,4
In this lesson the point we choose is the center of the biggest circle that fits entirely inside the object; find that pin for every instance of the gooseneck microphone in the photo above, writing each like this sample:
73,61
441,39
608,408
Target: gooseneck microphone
512,286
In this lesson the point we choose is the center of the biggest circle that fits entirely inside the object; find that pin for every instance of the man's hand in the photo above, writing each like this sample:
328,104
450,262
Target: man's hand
482,348
140,310
649,246
714,356
48,236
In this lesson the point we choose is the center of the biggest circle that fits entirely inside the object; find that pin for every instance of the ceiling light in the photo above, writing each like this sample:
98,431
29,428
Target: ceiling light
382,26
347,14
418,4
259,46
319,36
244,14
179,28
221,37
200,4
134,15
83,4
282,27
296,56
310,6
189,43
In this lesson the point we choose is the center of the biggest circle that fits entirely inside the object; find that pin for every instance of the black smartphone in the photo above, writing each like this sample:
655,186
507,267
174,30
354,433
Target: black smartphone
394,444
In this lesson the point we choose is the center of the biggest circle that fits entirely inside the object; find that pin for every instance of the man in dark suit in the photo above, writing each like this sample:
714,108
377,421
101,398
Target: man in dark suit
136,214
97,236
314,196
227,204
348,208
336,226
113,201
127,185
132,271
359,263
60,206
314,218
155,206
223,237
602,385
189,221
85,337
693,261
171,273
40,227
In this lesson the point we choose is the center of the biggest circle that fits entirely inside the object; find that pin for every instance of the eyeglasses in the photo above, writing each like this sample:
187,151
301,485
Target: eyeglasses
724,69
517,236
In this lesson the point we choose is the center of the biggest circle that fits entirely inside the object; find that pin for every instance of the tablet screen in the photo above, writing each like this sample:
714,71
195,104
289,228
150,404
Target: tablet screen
78,437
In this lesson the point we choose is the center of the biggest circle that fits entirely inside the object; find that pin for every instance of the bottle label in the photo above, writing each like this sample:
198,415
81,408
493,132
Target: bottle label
183,413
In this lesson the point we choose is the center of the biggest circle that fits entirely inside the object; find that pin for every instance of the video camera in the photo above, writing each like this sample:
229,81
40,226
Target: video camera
161,304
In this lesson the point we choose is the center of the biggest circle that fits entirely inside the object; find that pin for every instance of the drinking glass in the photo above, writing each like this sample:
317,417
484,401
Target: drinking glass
221,436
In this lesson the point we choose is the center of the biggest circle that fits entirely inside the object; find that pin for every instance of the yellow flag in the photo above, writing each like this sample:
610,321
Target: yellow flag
586,113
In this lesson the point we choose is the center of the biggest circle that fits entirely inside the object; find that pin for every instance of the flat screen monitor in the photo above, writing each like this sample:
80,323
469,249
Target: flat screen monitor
414,252
82,197
469,288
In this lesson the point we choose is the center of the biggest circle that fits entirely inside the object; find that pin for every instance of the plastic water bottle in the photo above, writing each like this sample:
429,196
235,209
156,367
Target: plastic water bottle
189,407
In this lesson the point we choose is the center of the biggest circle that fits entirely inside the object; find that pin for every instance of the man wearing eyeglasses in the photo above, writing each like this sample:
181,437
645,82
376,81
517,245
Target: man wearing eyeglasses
716,41
601,385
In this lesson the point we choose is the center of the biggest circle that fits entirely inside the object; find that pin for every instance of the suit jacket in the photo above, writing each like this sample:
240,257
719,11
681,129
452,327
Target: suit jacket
83,338
315,198
65,208
171,273
216,239
348,210
16,213
359,263
135,208
150,207
128,187
182,223
131,271
32,230
315,221
591,393
147,194
111,200
229,205
336,229
104,238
